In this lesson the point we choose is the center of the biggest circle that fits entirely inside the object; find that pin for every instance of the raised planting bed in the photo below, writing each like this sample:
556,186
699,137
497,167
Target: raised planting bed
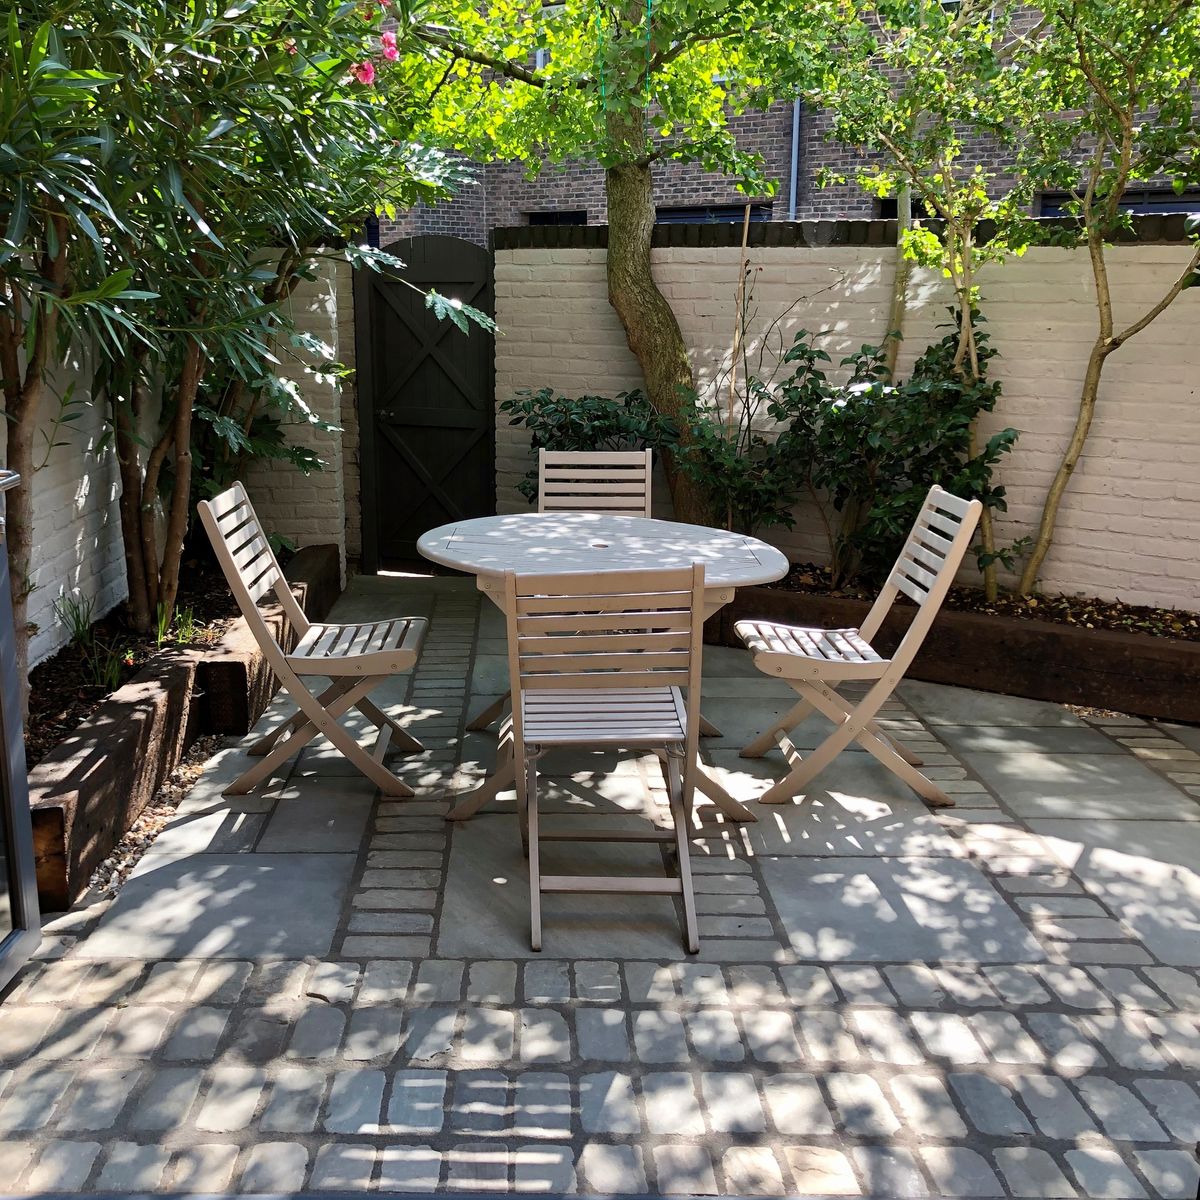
88,790
1100,668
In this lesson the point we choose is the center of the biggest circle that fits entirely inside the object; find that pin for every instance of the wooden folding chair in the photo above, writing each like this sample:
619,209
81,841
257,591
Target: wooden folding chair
600,660
816,661
613,482
357,658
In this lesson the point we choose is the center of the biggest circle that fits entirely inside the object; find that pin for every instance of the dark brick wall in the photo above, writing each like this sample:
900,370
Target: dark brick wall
504,196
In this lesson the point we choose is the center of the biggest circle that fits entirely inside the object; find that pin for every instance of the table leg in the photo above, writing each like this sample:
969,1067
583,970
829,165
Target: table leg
490,714
503,777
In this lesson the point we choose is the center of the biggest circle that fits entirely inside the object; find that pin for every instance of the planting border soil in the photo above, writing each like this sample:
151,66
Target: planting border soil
90,789
1100,668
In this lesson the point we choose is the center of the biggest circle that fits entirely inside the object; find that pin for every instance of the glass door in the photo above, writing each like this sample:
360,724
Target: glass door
20,930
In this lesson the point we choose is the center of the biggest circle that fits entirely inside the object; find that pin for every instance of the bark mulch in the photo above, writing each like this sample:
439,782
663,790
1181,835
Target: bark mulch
1081,611
66,689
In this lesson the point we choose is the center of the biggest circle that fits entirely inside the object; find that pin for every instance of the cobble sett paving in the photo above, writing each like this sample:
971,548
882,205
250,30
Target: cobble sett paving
386,1068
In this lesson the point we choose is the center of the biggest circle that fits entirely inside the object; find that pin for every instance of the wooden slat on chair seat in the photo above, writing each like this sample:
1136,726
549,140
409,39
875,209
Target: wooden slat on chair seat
612,883
826,645
624,716
333,649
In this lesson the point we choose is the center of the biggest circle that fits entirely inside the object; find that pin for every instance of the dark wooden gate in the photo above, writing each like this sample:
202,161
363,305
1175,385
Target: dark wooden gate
425,398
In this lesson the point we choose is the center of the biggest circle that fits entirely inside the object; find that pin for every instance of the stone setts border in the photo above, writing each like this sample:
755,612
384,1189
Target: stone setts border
90,789
1100,668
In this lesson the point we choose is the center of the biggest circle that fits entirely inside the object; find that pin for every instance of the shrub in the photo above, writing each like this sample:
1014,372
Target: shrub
587,423
870,447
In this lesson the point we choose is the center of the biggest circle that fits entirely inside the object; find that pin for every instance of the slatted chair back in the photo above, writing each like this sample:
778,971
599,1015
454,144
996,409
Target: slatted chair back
585,631
251,568
926,566
612,482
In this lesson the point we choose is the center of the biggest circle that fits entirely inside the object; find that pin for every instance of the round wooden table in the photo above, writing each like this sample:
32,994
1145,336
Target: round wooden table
548,542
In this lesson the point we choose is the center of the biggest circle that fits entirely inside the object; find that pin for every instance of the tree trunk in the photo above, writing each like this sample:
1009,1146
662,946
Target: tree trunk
1062,477
19,526
125,413
899,305
650,326
23,397
181,493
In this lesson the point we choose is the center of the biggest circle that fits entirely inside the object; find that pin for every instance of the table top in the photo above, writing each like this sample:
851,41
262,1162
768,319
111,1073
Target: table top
549,542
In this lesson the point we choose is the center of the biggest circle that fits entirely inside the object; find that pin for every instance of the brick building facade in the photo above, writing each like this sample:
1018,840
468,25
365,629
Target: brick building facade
503,197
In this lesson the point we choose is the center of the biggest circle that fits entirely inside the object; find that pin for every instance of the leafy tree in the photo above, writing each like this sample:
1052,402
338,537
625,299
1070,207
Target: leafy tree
49,211
169,173
921,84
248,140
626,84
1111,85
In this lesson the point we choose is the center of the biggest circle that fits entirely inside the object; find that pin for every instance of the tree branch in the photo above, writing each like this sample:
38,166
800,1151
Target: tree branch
1167,300
503,66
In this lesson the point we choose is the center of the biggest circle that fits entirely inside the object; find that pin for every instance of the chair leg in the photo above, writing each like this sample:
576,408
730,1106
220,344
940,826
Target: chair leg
503,776
535,872
401,738
766,740
324,720
489,714
298,719
681,814
868,735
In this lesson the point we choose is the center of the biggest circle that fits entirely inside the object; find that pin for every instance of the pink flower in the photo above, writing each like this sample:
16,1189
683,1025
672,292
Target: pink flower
388,42
364,72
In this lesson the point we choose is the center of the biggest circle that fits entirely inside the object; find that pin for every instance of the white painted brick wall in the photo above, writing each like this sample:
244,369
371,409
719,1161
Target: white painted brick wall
1130,525
77,529
76,522
309,509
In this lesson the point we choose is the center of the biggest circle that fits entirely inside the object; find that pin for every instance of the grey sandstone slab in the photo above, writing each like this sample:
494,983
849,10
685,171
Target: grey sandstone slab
485,910
212,831
331,824
1029,739
1147,872
941,705
225,906
1037,784
855,807
878,909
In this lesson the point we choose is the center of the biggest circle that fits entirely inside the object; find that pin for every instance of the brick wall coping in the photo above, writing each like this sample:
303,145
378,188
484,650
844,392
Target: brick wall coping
1156,227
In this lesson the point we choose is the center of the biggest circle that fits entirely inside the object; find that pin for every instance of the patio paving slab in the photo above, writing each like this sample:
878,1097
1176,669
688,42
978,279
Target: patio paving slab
310,825
225,906
1035,739
485,910
345,1050
862,909
856,807
941,705
1147,872
1037,784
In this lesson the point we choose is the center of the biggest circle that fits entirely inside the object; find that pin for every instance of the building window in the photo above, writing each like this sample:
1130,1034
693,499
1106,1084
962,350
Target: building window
550,8
575,216
1135,200
888,208
711,214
